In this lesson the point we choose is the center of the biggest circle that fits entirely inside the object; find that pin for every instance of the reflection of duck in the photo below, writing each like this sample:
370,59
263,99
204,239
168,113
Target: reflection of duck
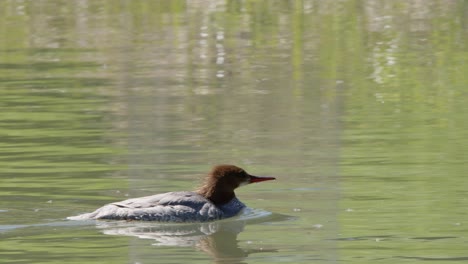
217,239
214,200
223,247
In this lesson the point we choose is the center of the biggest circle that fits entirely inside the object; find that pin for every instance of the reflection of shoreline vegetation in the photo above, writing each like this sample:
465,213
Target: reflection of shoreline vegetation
268,53
402,59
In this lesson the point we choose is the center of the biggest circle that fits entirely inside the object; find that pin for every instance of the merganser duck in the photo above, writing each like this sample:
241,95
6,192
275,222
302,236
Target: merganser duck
214,200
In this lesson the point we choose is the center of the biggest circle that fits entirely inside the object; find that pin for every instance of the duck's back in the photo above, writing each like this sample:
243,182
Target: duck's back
166,207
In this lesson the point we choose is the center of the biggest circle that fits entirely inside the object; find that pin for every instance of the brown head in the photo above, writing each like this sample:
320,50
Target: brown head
221,182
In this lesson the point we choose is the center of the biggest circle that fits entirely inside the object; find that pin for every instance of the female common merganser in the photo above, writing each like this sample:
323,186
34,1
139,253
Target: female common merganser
214,200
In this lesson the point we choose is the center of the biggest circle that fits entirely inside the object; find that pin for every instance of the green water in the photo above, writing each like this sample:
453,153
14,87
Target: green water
359,109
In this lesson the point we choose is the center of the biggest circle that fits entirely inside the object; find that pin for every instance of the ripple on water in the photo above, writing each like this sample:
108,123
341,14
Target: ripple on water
256,216
5,228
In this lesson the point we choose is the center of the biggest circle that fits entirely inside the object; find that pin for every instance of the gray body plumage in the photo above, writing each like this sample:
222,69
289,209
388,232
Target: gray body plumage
166,207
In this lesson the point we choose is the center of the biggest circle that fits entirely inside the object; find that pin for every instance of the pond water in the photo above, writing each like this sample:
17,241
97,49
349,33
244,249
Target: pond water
359,109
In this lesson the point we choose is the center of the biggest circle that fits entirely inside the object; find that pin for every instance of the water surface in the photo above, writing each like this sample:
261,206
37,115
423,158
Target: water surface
357,107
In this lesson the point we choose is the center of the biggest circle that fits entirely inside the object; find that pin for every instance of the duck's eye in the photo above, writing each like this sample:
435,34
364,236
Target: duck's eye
242,175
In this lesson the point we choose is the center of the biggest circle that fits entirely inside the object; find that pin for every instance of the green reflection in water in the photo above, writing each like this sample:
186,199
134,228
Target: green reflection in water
393,73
